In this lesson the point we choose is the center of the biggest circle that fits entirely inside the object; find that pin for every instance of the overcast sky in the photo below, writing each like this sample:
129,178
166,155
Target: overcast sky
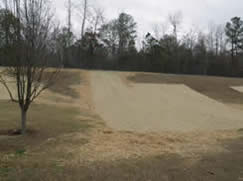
146,13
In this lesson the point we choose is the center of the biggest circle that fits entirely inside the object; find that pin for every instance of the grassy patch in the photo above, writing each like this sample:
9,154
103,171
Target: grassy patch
4,171
50,137
20,152
44,121
64,82
44,146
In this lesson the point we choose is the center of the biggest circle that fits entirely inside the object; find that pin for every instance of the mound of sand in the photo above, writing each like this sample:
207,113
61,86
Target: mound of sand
158,107
238,88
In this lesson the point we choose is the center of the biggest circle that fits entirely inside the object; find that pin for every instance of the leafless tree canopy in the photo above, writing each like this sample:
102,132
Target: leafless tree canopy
29,52
175,20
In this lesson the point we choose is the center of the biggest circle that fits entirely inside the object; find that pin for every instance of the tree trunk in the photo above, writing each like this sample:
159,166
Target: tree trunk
84,18
23,121
232,58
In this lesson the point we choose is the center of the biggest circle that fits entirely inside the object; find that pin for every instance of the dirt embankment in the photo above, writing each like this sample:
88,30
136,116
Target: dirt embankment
158,107
217,88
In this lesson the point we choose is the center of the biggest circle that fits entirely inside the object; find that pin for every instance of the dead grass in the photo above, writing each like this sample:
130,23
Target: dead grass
45,121
106,145
71,88
69,142
65,81
52,121
107,155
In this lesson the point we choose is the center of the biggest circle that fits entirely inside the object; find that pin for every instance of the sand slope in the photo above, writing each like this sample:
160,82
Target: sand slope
158,107
238,88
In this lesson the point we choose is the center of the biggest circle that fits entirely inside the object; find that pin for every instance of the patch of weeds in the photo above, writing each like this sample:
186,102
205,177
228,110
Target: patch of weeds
240,130
4,171
58,166
20,152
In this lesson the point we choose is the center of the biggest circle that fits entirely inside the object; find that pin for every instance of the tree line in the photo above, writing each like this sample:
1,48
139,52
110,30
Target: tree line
112,44
216,52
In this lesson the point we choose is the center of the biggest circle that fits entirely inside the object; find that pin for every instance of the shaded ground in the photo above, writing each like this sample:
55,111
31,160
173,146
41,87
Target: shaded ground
52,115
171,167
158,107
211,167
65,82
207,166
44,121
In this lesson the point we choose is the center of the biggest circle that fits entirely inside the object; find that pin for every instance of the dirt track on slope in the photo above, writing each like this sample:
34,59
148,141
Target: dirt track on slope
158,107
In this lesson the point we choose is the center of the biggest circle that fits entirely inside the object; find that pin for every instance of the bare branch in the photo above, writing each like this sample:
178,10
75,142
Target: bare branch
5,84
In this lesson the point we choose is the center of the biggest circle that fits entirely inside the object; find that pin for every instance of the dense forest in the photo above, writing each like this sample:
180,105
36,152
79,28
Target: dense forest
113,44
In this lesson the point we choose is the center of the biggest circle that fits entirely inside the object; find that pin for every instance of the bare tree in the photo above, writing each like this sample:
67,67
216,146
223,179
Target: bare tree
156,31
97,18
175,20
216,42
91,15
221,39
160,30
84,18
69,8
210,38
220,42
190,38
29,54
83,10
200,51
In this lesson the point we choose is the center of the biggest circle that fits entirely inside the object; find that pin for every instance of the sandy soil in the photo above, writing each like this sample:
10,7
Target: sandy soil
158,107
238,88
71,88
217,88
4,93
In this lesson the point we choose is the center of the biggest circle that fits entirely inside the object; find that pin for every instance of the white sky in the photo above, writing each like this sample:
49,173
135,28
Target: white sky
197,13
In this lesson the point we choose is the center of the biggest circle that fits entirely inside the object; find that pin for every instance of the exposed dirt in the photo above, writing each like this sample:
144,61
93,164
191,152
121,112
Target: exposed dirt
218,88
71,88
4,95
159,107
